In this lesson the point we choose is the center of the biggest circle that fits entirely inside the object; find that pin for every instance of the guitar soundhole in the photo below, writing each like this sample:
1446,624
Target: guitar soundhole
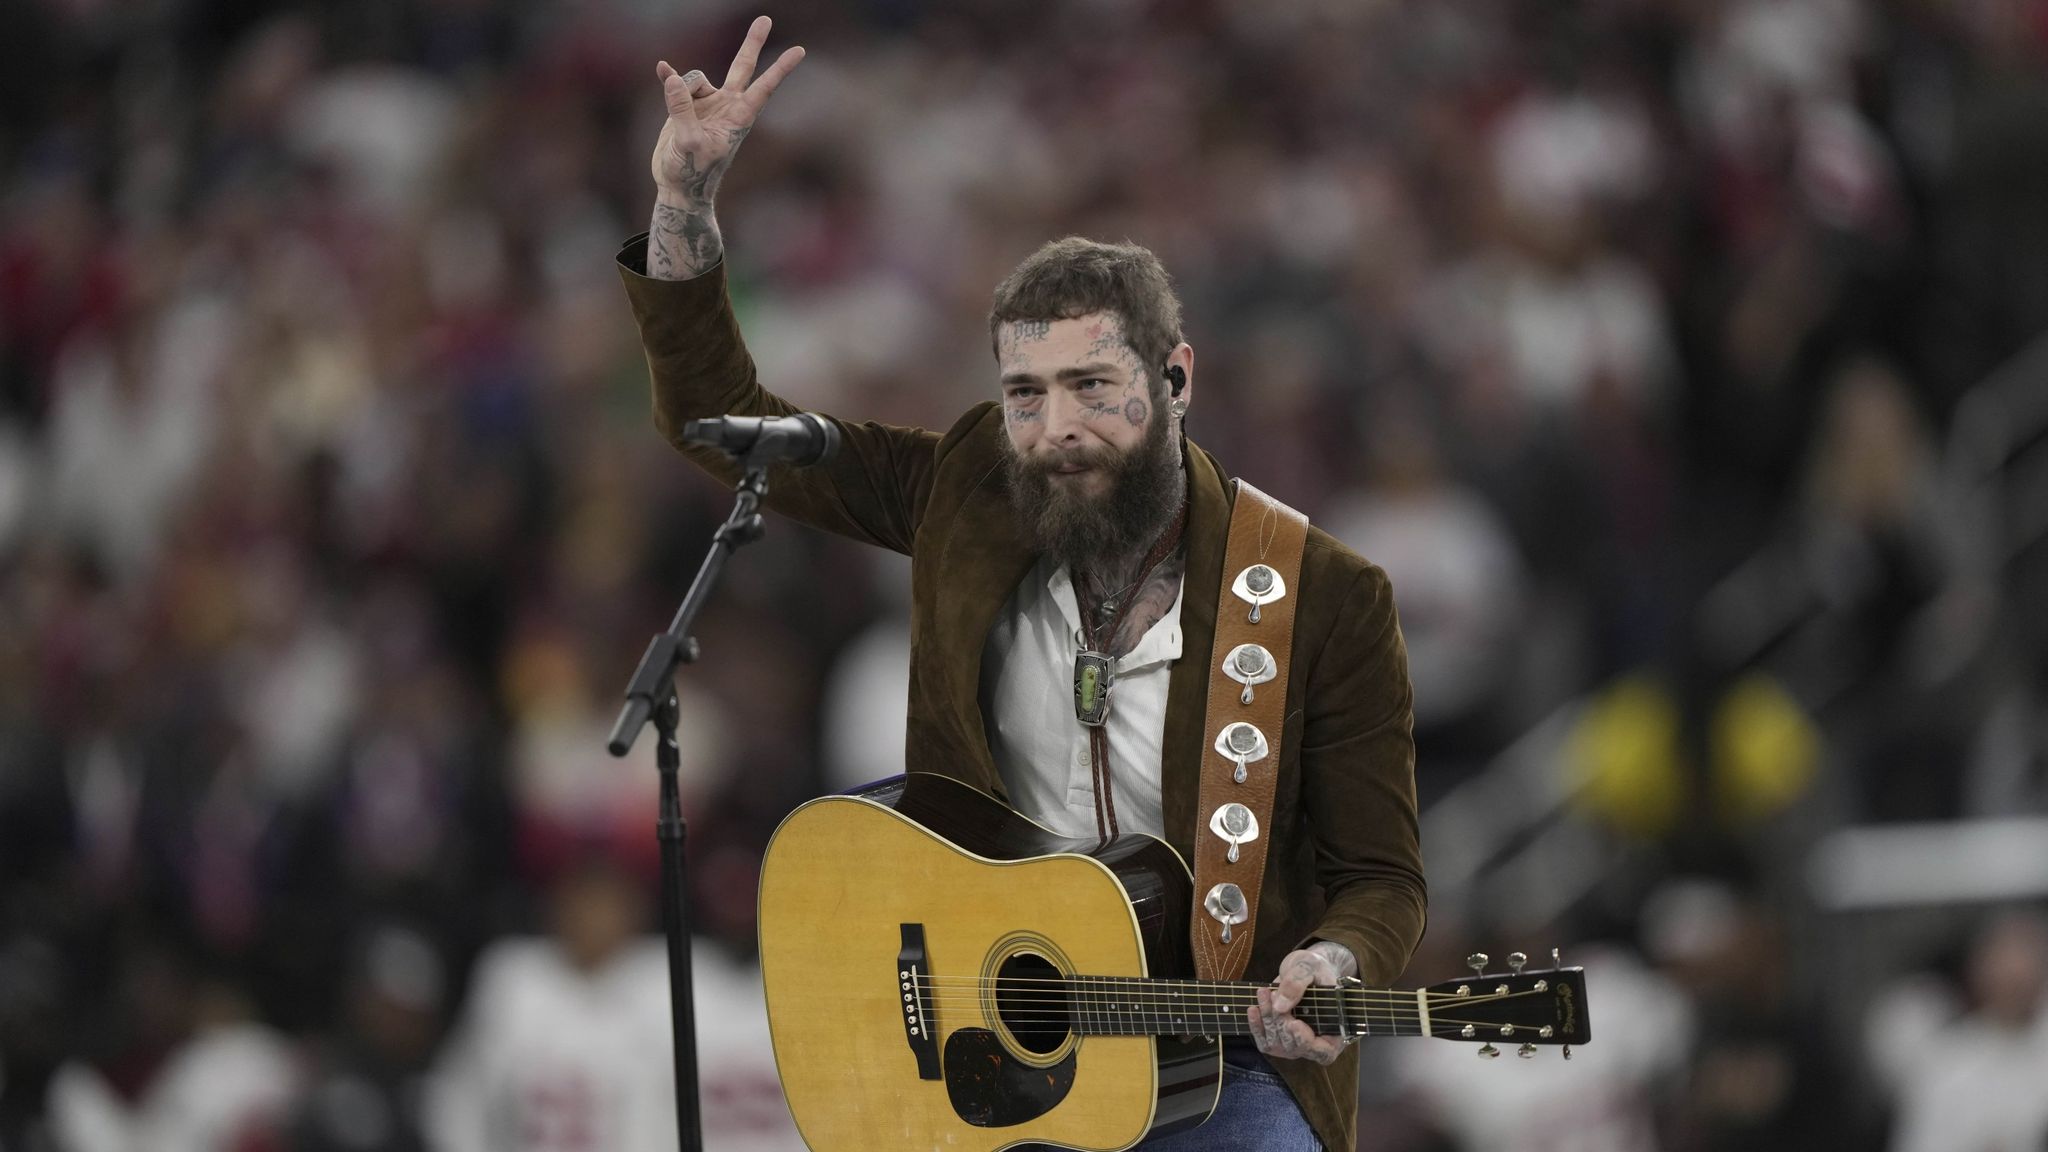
1033,1006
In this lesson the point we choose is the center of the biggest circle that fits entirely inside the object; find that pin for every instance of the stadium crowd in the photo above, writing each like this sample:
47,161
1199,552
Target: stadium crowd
1629,336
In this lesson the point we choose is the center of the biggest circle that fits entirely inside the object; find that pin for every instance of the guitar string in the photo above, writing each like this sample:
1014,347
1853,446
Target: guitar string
1333,1020
1483,1030
1317,995
1324,1025
1319,1019
1041,995
1152,998
972,987
1169,984
1048,1008
1223,1013
1334,1023
1139,1003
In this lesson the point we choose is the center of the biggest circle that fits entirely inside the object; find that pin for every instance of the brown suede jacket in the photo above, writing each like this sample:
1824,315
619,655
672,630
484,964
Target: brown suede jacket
1345,862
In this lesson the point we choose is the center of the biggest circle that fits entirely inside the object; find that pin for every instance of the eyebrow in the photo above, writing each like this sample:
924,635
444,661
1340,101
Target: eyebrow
1099,368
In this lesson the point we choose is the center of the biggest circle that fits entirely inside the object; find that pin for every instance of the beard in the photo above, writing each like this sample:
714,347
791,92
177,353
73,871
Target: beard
1086,532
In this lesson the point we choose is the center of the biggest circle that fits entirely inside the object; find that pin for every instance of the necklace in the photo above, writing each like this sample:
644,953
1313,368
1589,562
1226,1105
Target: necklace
1160,550
1109,602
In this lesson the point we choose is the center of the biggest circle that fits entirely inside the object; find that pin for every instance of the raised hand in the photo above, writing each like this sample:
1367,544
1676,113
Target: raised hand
703,131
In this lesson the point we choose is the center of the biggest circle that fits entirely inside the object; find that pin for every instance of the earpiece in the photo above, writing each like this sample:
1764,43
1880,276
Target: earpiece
1176,376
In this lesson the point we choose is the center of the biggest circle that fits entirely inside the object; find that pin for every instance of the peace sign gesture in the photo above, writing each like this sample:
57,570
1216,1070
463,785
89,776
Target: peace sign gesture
704,129
706,124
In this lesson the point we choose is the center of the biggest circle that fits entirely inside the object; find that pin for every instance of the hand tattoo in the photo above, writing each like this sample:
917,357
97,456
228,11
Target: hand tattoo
1338,955
683,240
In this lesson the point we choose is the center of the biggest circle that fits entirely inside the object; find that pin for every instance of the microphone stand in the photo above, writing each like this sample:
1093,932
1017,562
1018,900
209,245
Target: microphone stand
652,695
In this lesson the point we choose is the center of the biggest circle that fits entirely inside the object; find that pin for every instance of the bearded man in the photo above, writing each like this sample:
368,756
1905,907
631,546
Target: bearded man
1073,511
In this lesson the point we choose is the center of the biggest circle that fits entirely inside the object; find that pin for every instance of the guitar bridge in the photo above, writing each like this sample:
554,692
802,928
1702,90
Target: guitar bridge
913,978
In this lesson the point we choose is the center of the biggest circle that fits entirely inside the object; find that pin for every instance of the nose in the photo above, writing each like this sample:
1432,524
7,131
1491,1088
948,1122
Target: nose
1063,421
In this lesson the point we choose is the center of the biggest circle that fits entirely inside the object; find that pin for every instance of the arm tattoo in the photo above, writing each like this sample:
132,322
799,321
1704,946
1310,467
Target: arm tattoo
683,241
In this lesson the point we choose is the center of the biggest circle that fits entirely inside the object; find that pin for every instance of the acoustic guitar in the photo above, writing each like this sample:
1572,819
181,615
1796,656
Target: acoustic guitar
942,973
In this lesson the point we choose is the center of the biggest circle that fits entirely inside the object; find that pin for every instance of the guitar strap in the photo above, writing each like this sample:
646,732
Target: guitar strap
1246,712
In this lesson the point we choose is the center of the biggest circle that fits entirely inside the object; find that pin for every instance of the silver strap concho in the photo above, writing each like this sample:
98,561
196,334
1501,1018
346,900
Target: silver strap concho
1256,585
1225,903
1249,665
1243,743
1235,824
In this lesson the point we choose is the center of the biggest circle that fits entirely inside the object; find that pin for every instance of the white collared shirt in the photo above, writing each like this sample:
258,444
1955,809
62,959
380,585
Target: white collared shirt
1027,704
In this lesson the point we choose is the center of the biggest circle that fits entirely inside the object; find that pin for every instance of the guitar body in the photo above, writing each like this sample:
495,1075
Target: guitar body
922,876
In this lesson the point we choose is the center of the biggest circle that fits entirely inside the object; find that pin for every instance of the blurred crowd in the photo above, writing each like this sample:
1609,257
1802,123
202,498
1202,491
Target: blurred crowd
1637,339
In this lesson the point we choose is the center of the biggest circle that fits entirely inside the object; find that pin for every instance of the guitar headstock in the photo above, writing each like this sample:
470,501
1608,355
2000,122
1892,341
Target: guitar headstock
1532,1008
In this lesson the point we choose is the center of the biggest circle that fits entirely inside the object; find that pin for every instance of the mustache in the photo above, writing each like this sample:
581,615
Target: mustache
1048,461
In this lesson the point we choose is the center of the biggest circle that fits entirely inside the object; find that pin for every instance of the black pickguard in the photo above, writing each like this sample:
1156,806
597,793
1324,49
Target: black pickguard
990,1088
1161,894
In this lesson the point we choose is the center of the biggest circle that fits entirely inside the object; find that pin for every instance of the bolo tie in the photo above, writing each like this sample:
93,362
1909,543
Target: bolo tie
1095,670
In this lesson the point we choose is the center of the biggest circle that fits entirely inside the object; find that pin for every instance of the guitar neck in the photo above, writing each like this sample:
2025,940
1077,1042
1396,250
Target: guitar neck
1125,1006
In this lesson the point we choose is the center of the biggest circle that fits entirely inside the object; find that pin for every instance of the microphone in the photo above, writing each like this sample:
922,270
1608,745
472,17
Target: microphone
805,438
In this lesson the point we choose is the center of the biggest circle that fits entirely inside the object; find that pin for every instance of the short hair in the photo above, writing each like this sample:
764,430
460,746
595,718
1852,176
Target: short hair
1075,276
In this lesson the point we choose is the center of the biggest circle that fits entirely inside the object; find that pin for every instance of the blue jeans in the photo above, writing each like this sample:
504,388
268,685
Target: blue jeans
1255,1111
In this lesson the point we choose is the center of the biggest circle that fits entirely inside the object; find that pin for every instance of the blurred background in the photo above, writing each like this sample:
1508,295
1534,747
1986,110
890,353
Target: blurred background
1681,360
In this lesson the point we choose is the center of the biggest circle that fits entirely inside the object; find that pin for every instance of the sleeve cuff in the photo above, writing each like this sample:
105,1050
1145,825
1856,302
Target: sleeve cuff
1312,941
632,260
1370,966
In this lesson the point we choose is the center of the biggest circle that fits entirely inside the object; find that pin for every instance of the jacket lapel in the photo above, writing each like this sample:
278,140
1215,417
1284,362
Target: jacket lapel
983,561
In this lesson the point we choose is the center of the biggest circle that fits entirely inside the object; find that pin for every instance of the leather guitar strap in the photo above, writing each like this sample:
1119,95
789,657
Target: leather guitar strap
1254,639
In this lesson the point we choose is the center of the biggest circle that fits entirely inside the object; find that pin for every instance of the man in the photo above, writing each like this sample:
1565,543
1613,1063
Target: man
1074,504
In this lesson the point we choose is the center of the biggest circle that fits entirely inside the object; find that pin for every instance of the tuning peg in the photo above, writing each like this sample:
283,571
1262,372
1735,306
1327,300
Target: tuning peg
1526,1051
1567,1051
1515,962
1477,962
1488,1051
1557,957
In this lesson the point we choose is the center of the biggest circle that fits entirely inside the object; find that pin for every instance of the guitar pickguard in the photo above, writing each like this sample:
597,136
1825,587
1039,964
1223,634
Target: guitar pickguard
840,884
990,1088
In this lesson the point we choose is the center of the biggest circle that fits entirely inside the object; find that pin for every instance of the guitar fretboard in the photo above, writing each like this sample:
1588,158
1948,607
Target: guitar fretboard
1124,1006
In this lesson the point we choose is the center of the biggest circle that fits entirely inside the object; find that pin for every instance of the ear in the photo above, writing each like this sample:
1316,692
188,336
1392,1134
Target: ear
1183,389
